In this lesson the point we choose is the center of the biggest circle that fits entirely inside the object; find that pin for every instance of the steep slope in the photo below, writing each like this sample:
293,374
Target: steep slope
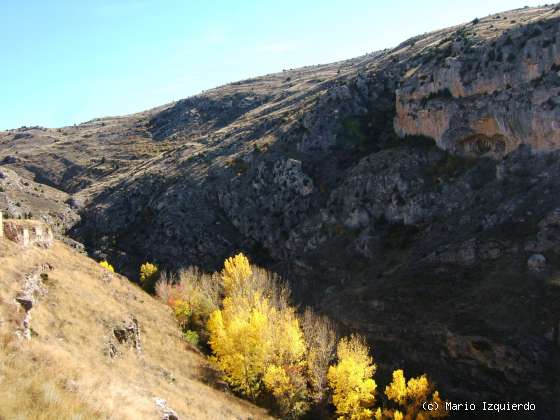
488,87
22,198
262,159
326,175
100,347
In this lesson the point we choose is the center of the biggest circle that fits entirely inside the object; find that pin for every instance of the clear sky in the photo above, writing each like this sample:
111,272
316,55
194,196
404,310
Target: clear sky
68,61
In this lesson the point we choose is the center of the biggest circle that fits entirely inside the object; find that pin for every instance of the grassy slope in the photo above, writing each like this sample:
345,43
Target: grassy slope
64,372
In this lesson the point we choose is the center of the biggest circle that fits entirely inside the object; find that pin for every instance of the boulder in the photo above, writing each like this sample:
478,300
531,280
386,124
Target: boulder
536,262
166,412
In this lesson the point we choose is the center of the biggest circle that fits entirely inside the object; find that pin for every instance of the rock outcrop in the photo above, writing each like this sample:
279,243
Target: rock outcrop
23,198
484,90
166,412
125,335
33,286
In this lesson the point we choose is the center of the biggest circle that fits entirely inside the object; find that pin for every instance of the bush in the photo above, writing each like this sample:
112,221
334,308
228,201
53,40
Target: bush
410,396
289,388
107,266
165,287
148,274
191,337
202,293
182,312
320,340
193,296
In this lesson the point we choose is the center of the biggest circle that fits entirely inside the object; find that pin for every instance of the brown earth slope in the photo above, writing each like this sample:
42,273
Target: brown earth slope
74,365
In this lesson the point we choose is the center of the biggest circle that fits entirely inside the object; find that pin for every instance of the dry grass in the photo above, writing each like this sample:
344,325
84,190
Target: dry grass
64,371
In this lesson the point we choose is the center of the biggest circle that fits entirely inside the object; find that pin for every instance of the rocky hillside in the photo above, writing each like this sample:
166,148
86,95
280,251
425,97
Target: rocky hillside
411,193
77,341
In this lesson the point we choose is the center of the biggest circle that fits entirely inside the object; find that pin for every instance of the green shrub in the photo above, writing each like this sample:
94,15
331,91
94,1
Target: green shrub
191,337
183,312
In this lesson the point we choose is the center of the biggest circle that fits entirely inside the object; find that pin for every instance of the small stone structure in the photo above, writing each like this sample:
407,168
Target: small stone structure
26,232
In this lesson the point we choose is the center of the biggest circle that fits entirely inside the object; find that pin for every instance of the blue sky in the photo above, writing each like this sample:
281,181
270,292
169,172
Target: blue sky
65,62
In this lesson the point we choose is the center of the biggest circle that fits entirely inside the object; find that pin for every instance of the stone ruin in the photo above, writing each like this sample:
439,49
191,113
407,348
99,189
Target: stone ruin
26,232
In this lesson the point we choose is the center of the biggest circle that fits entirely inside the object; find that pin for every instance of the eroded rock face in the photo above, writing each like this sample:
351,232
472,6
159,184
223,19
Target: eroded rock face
125,335
22,198
202,114
485,93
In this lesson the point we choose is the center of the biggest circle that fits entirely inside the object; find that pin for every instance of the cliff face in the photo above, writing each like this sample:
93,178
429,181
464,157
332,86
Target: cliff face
446,248
486,89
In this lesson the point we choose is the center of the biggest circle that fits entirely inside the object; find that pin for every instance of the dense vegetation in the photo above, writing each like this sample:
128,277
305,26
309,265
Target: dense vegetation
276,356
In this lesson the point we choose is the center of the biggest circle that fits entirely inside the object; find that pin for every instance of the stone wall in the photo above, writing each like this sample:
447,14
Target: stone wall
27,232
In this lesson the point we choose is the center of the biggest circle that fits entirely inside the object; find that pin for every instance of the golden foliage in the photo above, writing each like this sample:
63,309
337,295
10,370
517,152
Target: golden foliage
261,345
257,339
236,272
351,379
289,388
411,395
396,390
239,340
148,272
105,264
182,312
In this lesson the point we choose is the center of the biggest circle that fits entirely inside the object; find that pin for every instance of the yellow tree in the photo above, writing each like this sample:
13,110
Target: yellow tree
257,339
286,377
237,271
239,340
148,273
288,385
411,395
351,380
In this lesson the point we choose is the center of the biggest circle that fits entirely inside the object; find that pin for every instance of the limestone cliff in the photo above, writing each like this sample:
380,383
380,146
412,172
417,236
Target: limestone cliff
487,87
